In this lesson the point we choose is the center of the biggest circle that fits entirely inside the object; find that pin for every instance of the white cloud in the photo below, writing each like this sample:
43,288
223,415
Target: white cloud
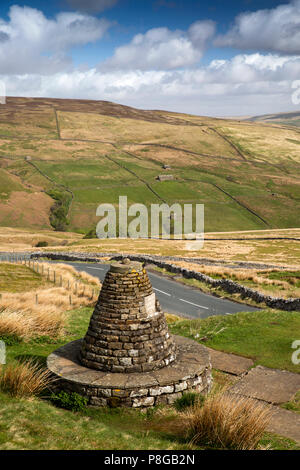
277,30
162,49
92,5
31,43
246,84
156,70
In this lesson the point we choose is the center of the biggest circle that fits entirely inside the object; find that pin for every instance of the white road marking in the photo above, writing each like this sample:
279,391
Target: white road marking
100,269
196,305
166,293
226,313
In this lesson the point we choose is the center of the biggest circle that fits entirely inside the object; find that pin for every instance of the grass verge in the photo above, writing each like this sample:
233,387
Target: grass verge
37,424
265,336
19,278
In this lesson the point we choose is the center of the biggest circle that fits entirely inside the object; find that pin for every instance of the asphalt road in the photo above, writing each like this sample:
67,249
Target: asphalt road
175,297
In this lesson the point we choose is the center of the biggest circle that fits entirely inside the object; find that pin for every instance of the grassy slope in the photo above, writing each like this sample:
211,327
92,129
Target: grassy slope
265,336
19,278
36,424
287,119
231,180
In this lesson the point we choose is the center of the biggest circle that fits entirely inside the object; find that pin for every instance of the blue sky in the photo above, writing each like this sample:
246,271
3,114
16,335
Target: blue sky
138,16
218,58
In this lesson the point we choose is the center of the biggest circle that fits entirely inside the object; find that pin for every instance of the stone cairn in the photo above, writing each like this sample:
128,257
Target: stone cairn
127,331
127,357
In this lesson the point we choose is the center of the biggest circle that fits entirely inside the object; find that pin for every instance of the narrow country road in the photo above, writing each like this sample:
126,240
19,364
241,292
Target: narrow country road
175,297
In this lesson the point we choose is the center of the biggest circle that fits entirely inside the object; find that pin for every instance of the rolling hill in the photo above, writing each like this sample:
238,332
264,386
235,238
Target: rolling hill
59,159
286,119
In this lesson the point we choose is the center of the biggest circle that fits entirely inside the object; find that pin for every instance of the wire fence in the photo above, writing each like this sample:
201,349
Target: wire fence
76,288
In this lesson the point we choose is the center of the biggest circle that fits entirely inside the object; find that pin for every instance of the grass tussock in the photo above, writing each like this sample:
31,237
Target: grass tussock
24,379
26,325
227,421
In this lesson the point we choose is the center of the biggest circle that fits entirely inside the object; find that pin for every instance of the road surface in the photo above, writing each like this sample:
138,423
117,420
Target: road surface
175,297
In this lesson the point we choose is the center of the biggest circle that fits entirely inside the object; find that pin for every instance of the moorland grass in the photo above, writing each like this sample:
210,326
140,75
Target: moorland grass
37,424
226,421
24,379
41,312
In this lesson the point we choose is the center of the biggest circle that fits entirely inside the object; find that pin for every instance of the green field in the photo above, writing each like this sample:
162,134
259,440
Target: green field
245,173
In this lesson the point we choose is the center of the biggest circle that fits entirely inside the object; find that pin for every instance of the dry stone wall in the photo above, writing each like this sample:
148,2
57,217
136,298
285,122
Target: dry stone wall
225,284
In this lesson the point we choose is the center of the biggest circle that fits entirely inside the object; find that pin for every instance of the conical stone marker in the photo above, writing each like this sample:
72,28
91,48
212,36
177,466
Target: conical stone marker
127,331
127,357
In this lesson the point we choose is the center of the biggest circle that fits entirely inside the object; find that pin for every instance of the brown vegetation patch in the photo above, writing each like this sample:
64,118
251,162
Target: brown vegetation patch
26,209
107,108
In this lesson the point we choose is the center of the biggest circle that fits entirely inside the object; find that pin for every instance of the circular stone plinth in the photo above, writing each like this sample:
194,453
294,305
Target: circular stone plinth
190,371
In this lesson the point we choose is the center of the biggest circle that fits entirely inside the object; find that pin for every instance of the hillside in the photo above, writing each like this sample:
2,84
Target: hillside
83,153
286,119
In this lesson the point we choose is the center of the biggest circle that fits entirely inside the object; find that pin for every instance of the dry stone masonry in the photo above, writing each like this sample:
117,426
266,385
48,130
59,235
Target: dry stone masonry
128,357
128,331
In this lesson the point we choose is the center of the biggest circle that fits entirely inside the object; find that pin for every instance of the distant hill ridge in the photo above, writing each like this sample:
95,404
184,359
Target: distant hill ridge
290,118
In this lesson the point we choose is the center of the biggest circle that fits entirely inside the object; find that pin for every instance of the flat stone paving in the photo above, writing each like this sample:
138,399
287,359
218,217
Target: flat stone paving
286,423
270,385
264,385
230,363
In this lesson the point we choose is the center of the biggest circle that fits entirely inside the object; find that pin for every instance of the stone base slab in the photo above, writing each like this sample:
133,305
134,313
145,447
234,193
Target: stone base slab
190,372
